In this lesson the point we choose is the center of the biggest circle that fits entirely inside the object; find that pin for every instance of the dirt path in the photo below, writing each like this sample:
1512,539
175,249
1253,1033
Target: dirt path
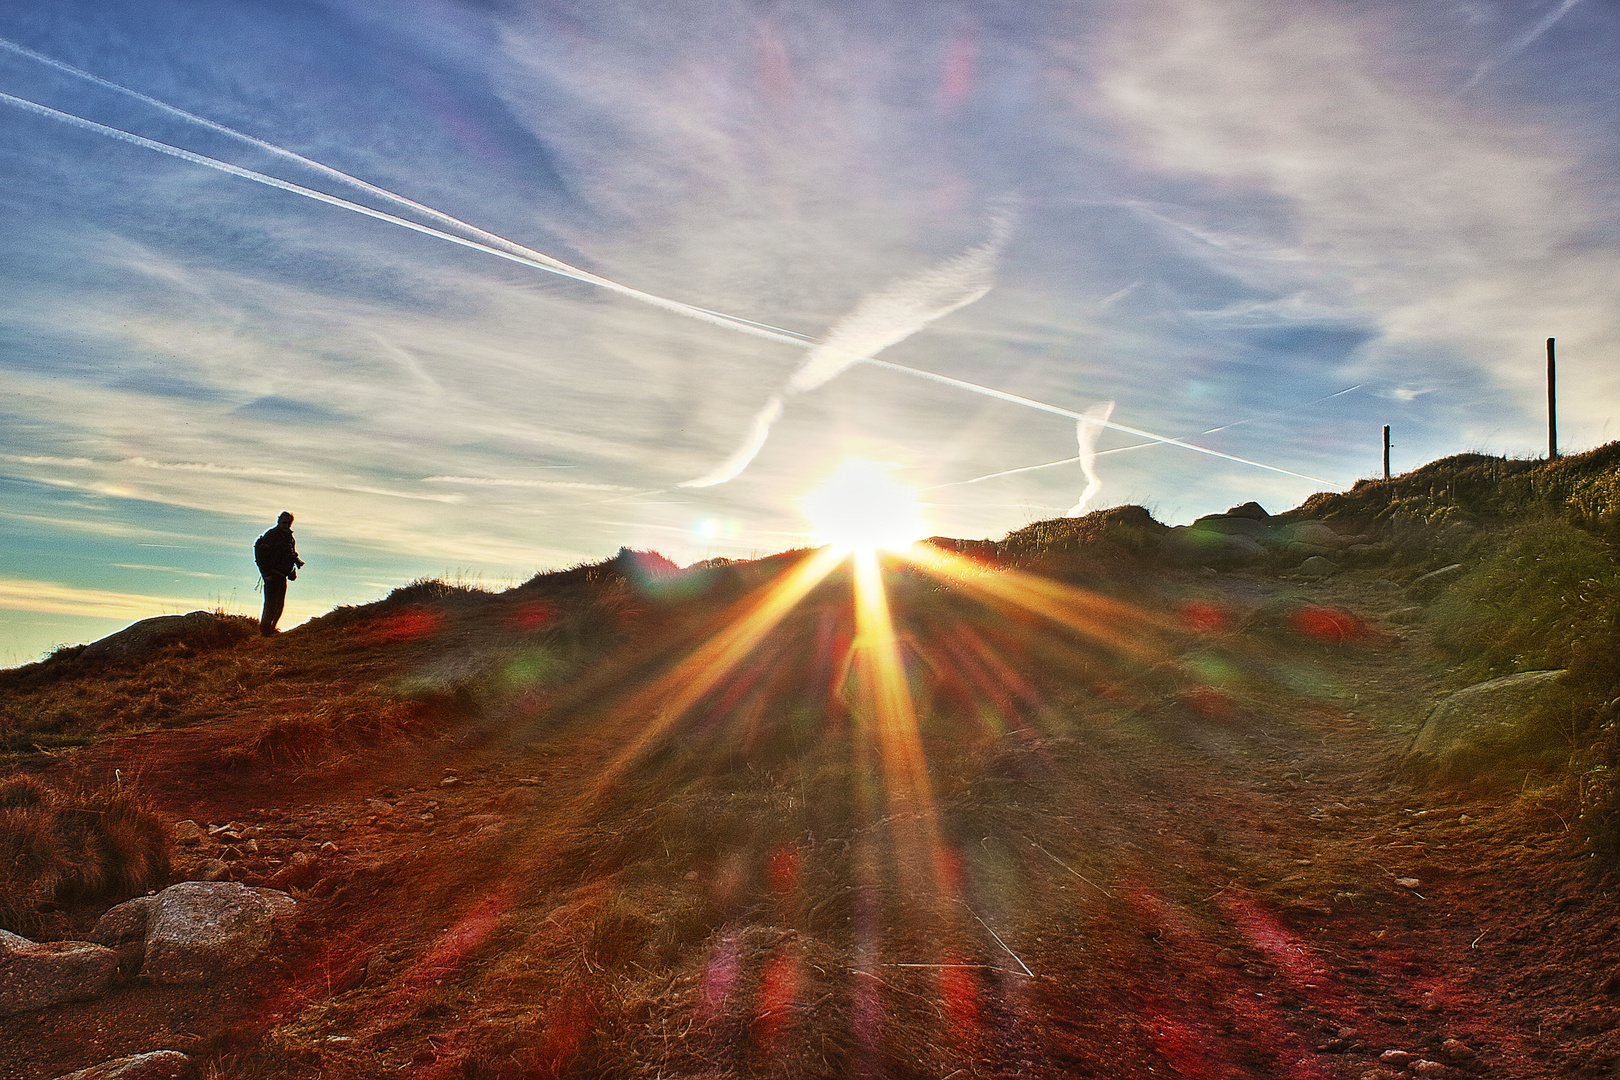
1225,877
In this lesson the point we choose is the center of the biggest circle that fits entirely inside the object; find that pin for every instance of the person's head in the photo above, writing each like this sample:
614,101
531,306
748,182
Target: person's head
284,519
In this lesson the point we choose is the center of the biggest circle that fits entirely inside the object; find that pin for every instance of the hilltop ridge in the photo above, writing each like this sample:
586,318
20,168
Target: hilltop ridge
1073,802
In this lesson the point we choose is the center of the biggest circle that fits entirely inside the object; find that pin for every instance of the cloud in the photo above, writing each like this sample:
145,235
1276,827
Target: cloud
50,597
1434,222
881,319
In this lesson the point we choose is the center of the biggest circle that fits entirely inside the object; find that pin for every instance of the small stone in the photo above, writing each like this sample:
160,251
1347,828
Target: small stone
329,847
1429,1068
1408,882
450,781
1257,971
1398,1058
188,833
1347,1033
378,969
1332,1046
380,808
215,830
1457,1050
213,870
1229,958
1463,819
426,818
155,1065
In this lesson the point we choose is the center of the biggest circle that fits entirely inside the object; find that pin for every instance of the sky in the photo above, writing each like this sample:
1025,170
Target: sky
677,260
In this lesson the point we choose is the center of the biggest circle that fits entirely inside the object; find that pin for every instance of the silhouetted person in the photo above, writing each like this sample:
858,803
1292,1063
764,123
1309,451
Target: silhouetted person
278,564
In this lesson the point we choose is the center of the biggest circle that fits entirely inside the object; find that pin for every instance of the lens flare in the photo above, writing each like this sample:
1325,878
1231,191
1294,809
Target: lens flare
861,507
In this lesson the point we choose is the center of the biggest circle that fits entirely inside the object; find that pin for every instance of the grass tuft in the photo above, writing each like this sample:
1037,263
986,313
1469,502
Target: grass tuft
62,848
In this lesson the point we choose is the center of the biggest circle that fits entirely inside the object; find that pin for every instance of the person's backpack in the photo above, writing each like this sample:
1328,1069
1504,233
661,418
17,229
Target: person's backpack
271,555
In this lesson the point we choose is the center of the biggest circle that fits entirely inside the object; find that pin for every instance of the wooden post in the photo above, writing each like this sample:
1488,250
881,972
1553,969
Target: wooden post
1386,451
1552,403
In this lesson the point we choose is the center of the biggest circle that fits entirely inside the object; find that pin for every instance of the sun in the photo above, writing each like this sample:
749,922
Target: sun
862,507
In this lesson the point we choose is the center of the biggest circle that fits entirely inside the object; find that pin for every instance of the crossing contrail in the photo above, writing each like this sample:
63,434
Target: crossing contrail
881,320
1519,46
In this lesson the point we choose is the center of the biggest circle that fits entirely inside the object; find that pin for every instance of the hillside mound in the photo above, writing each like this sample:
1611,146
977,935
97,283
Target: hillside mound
1063,804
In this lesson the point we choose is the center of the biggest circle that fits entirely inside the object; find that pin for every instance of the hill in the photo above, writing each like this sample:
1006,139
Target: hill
1100,798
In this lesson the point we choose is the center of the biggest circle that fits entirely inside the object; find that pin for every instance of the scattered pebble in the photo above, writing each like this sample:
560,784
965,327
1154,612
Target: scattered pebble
1457,1050
1429,1068
1229,958
450,781
1398,1058
1408,882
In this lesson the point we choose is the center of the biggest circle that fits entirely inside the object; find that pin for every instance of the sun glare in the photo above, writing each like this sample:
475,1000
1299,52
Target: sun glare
862,507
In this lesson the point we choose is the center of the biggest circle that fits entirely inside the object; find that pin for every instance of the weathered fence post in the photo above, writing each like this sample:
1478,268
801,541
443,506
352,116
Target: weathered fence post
1386,451
1552,404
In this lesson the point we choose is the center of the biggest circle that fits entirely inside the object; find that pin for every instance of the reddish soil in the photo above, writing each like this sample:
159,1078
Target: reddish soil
1170,843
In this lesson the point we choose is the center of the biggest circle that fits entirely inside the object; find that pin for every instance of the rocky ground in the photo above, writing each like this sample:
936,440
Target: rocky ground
1216,869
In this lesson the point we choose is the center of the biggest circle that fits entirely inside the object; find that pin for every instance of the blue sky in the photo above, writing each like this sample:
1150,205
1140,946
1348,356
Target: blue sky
1203,211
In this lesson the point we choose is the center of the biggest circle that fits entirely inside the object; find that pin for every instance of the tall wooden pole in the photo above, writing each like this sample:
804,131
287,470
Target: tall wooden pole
1552,403
1386,451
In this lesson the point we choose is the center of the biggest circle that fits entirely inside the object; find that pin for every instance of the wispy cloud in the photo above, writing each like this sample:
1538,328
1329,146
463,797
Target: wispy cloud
50,597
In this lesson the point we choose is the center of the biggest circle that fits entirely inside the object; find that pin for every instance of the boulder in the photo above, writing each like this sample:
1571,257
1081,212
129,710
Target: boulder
1192,544
34,975
1233,526
147,635
1504,723
1314,533
199,929
154,1065
1317,566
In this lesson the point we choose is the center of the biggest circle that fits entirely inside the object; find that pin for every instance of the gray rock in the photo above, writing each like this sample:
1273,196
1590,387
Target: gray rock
198,929
213,870
123,929
1506,722
188,833
1317,566
1189,544
124,924
154,1065
1316,534
147,635
34,975
1232,526
1249,510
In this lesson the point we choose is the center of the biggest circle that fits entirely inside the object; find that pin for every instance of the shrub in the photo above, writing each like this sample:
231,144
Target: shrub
64,848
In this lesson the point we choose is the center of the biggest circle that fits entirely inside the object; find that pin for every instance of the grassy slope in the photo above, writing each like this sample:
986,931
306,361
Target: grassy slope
762,766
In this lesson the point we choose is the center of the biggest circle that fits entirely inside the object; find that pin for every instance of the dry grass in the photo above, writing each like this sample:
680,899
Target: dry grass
60,849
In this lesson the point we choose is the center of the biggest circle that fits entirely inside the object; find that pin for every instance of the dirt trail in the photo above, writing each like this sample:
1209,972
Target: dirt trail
1230,879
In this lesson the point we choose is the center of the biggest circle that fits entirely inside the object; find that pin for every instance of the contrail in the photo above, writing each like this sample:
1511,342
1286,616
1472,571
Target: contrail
1002,395
1519,46
1131,446
537,261
1085,433
881,319
921,298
